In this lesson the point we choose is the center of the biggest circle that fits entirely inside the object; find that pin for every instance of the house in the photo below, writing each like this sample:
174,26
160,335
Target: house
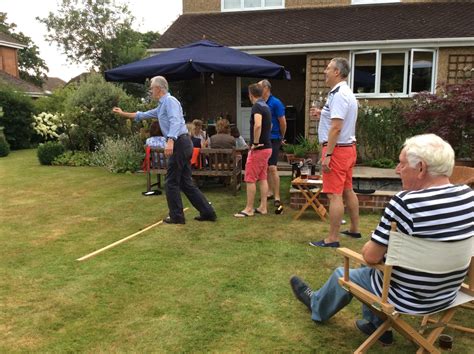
9,73
396,48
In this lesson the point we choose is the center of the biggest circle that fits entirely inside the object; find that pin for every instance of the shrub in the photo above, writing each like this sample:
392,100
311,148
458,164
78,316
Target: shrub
56,102
47,152
89,112
450,114
17,117
381,131
73,158
382,163
120,155
4,146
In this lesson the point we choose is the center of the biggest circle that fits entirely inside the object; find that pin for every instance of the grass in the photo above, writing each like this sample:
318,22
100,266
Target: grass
220,287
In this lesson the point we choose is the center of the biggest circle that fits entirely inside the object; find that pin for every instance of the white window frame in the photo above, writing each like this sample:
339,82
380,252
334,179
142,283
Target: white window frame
261,7
433,73
367,2
407,79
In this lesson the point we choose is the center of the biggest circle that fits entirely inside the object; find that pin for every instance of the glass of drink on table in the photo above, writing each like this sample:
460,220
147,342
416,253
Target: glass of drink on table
304,171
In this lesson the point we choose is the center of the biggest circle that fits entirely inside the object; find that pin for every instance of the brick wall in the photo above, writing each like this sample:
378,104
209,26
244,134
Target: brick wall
210,100
375,202
190,6
315,3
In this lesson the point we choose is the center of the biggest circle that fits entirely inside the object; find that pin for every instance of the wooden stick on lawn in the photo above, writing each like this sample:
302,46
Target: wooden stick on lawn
87,256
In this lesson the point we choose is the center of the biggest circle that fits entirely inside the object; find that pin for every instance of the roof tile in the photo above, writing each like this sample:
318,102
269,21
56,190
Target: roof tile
324,25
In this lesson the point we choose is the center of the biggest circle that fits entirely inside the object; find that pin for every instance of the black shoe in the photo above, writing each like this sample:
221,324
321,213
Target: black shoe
368,328
351,234
302,291
168,220
211,217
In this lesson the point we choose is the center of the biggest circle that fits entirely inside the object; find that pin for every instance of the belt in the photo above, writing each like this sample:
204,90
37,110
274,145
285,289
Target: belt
340,145
182,135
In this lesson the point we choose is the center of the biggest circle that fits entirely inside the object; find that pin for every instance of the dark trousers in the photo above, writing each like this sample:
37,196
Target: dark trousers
179,178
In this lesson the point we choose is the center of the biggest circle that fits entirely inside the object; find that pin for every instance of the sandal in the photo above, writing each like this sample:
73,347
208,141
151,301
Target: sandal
242,214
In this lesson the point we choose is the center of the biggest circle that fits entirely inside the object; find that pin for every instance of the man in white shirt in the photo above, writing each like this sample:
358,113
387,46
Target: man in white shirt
338,157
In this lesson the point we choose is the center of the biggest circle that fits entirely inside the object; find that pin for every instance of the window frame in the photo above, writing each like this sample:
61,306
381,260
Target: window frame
373,2
433,73
261,7
407,77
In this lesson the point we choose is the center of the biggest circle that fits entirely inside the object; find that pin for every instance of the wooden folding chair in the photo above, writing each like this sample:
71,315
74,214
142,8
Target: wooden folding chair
420,255
462,175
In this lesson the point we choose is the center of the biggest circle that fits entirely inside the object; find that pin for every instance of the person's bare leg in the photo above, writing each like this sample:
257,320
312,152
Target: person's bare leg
270,182
251,190
274,182
263,196
336,212
352,204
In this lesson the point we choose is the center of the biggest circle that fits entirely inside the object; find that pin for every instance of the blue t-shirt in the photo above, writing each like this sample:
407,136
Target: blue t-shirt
278,110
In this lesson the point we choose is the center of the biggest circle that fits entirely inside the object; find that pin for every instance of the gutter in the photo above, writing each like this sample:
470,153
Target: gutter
306,48
12,45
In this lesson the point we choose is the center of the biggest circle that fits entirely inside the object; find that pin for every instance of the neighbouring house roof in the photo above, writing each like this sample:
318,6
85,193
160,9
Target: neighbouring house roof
53,83
324,26
8,41
21,85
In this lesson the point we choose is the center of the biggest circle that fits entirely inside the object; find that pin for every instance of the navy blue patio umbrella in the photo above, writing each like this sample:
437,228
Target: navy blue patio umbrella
195,59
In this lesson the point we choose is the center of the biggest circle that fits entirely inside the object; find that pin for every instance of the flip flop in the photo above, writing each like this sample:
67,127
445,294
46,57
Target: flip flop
256,211
242,214
270,197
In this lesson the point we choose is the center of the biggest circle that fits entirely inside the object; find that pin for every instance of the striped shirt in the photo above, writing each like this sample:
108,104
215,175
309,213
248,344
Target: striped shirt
443,213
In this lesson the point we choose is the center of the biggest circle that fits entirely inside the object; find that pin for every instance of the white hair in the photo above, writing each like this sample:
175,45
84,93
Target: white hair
434,151
161,82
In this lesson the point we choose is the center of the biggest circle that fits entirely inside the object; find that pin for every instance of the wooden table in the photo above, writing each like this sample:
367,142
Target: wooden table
310,189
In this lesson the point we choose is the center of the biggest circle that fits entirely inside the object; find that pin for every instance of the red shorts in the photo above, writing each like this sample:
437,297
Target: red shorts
342,162
257,164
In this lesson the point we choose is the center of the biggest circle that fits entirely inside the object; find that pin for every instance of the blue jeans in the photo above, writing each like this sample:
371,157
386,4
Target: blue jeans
331,298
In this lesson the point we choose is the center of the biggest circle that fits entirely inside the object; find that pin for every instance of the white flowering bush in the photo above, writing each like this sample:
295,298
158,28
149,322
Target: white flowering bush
47,125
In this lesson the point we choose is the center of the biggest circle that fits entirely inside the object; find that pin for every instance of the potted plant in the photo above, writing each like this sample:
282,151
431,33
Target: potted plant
311,148
289,150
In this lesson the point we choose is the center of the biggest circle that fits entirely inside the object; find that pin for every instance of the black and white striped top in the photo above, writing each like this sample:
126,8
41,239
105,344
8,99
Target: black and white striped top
444,213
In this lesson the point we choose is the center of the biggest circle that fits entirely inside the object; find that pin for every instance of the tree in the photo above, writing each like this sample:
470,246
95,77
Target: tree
96,32
32,68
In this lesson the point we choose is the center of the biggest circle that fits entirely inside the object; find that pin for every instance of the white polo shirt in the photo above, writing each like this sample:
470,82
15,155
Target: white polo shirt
341,103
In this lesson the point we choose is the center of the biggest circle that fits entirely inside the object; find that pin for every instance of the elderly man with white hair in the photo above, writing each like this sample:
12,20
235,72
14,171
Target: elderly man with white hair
429,207
179,149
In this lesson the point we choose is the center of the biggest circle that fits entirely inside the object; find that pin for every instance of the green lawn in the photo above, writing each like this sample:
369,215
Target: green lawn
219,287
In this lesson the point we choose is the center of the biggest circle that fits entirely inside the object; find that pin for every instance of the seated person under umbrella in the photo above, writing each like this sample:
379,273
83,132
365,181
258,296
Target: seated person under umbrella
223,139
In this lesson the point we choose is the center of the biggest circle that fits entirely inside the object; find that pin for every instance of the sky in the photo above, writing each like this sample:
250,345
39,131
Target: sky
154,15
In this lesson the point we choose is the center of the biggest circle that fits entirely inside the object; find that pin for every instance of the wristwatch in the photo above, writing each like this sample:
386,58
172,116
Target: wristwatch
170,138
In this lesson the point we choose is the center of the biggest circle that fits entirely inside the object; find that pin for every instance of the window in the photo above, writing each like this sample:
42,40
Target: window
366,2
393,73
239,5
364,72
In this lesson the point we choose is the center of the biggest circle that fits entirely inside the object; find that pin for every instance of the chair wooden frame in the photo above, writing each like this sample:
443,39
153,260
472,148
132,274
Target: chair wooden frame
393,319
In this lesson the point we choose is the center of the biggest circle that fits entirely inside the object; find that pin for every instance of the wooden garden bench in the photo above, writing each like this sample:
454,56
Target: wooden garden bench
211,163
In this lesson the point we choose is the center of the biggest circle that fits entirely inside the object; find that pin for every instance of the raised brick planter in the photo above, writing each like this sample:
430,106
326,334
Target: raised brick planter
375,202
